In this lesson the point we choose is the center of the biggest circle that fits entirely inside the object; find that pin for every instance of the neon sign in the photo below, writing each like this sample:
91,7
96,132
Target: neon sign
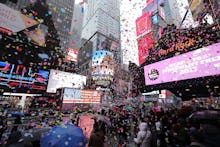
12,75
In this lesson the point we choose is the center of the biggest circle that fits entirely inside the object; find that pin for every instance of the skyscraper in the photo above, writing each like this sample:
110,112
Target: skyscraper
101,16
62,13
100,31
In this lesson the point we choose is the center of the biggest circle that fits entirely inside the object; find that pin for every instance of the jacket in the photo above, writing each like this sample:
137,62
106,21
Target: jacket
144,136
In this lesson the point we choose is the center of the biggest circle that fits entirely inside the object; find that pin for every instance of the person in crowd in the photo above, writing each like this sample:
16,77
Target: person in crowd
197,139
74,119
17,122
96,138
144,136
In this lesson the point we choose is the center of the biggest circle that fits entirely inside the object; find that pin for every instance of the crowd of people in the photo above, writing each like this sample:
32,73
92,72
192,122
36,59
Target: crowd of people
129,125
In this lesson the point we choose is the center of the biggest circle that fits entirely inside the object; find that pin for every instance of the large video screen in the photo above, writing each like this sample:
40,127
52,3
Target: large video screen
81,96
102,67
144,44
19,76
143,24
198,63
60,79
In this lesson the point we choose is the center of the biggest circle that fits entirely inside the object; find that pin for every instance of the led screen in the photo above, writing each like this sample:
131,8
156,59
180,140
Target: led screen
60,79
19,76
102,67
198,63
81,96
143,24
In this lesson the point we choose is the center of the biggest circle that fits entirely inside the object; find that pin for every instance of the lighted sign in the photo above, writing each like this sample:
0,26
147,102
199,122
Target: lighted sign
155,19
143,24
81,96
198,63
102,67
12,76
177,47
144,44
72,54
38,34
60,79
13,21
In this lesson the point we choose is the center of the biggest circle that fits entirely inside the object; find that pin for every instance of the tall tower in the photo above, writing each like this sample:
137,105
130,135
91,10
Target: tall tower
100,54
62,13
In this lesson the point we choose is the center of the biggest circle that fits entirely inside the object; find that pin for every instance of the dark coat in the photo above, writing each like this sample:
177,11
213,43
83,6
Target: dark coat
96,139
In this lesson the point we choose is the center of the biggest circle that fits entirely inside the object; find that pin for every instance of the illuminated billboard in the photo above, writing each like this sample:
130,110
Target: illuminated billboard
143,24
60,79
72,54
198,63
13,21
81,96
19,76
38,34
144,44
102,67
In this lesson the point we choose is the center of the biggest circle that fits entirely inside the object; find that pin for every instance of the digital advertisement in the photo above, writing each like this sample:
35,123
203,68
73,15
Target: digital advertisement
13,21
13,76
198,63
60,79
72,54
143,24
144,44
81,96
102,67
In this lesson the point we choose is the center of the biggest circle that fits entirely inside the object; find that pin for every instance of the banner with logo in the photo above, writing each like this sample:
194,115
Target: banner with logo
13,21
198,63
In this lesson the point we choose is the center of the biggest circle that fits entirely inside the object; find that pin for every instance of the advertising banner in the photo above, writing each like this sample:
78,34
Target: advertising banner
81,96
102,67
13,21
38,34
60,79
72,54
144,44
198,63
143,24
18,76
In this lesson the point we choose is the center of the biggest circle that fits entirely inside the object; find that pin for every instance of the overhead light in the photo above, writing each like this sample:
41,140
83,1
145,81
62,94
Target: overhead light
216,87
187,89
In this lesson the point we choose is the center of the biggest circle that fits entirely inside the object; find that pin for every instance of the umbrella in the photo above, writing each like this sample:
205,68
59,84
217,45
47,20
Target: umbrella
17,113
103,119
65,135
206,114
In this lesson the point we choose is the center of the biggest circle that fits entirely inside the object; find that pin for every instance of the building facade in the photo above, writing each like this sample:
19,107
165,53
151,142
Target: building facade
100,55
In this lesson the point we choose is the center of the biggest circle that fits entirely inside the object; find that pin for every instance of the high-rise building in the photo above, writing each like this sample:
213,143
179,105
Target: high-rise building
101,16
62,13
100,31
76,28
